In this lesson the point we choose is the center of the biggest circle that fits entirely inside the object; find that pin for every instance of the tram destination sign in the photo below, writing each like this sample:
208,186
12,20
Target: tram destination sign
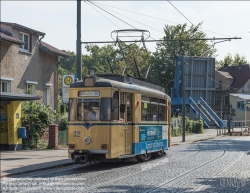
88,93
67,80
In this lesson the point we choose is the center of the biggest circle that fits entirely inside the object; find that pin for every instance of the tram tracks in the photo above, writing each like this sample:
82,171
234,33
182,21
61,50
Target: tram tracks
138,172
187,172
155,162
114,181
235,163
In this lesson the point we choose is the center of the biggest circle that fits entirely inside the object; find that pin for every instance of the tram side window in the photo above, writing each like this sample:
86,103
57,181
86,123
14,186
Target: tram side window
105,109
154,109
72,109
145,108
115,106
162,110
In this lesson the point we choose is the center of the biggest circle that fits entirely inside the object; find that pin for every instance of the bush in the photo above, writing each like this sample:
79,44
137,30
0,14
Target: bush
36,117
191,127
61,115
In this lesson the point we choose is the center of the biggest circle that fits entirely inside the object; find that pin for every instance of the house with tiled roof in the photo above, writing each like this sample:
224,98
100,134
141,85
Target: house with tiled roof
28,69
234,78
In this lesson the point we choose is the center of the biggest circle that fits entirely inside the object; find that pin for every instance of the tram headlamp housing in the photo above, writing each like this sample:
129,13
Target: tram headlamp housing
86,140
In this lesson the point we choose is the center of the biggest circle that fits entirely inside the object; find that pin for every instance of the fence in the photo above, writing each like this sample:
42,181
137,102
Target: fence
63,137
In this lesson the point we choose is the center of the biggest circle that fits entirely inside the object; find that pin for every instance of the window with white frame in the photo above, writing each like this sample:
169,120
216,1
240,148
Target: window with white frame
46,94
25,38
31,87
5,86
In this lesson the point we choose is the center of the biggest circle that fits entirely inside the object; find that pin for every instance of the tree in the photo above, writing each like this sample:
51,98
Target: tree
167,51
36,117
119,58
231,61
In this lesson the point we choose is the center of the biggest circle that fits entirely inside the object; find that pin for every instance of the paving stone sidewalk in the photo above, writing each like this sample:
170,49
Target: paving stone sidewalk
15,162
208,134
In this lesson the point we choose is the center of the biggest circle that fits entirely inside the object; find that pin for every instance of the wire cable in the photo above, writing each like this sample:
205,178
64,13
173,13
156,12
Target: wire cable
224,84
137,22
111,14
157,18
106,18
180,12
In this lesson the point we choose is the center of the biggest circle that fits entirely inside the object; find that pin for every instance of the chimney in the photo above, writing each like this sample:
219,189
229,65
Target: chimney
225,65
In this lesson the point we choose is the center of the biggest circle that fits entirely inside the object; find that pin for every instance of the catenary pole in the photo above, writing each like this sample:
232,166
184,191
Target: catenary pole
183,100
228,111
79,42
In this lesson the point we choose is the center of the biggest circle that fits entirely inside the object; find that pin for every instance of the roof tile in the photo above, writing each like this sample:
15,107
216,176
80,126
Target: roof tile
10,38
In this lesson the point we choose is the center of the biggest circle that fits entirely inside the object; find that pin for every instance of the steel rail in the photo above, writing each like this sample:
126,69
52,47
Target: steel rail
188,172
124,176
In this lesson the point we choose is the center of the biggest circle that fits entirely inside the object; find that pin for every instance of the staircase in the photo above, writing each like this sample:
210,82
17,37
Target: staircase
214,119
210,118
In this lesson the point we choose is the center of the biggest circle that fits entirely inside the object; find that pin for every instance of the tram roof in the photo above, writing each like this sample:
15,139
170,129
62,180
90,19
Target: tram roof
103,82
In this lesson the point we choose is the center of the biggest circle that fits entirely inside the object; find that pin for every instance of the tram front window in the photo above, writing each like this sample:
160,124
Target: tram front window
88,110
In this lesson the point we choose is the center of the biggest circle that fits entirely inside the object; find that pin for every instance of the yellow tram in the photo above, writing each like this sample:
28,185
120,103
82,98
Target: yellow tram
114,117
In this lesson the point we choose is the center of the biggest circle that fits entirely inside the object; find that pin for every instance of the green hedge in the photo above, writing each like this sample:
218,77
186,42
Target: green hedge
191,127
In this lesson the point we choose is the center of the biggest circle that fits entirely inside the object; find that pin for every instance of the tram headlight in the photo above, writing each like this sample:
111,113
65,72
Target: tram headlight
86,140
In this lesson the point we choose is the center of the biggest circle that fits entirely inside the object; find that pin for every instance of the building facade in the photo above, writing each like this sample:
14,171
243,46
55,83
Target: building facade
27,66
230,80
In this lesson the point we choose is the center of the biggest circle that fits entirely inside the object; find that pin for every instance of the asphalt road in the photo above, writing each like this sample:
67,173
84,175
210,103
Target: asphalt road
221,165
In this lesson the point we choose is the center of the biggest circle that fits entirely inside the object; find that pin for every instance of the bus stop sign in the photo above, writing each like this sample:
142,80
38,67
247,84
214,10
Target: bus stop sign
66,81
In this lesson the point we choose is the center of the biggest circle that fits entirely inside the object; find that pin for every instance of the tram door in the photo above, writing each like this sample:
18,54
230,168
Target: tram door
126,119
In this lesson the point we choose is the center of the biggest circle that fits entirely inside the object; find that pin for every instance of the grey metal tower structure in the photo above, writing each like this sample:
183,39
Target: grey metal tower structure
79,42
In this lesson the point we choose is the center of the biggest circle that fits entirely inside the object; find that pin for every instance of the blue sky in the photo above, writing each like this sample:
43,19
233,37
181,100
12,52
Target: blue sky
58,20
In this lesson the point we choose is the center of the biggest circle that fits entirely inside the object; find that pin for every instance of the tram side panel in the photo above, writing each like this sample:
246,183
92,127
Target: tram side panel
148,136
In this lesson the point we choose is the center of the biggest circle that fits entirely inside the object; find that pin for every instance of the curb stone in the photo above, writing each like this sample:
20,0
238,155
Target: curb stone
40,169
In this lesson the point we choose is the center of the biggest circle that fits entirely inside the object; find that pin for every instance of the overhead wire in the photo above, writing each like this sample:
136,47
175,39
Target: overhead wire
112,22
180,12
223,84
157,18
111,14
137,22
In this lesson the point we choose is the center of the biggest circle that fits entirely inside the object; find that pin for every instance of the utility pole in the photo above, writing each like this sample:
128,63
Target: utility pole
228,111
183,101
79,42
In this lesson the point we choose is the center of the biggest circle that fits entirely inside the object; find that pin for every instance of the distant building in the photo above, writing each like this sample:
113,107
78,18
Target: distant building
27,65
199,79
236,78
240,108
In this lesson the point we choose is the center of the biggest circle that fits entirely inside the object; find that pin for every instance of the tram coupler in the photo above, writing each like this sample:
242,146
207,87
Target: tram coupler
80,158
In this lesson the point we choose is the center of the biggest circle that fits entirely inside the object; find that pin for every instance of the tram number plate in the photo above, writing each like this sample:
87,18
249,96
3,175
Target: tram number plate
76,133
